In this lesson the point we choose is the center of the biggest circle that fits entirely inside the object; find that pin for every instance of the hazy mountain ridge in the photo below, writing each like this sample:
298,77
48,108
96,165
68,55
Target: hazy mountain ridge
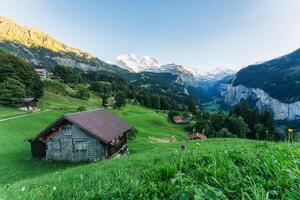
43,50
272,85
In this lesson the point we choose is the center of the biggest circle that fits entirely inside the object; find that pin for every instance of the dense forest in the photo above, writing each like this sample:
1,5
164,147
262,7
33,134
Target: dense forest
242,122
149,94
17,80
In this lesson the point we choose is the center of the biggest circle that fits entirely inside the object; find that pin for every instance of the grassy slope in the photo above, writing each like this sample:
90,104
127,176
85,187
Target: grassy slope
65,103
214,168
15,158
54,102
149,123
16,163
6,112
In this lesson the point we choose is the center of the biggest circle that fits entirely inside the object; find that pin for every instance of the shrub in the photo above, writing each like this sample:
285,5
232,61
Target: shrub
132,133
81,108
57,87
237,126
82,93
225,133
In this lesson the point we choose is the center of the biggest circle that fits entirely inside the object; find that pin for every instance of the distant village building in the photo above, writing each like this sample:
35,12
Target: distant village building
82,136
111,103
43,73
180,120
108,106
29,104
194,136
111,99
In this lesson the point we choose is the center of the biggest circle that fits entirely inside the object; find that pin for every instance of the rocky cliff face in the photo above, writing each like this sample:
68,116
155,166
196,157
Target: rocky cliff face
281,111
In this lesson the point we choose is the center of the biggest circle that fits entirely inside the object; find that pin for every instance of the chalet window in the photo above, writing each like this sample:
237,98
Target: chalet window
68,129
80,145
55,144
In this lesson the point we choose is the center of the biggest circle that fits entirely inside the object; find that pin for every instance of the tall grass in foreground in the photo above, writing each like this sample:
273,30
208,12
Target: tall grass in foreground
212,169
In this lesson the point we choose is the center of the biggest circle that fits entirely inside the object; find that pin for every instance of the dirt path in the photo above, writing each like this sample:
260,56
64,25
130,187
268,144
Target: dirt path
163,139
19,116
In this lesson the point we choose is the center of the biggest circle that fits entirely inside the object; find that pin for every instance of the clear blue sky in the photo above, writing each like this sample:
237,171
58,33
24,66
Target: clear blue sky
195,33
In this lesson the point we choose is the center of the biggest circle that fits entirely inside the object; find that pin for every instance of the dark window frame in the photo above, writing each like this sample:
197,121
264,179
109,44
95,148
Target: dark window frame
53,147
84,147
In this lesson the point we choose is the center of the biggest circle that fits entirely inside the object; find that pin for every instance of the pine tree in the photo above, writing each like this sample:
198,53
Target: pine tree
120,99
12,92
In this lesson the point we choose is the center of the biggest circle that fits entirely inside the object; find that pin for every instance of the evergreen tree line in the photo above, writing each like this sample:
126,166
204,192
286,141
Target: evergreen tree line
106,85
242,122
17,80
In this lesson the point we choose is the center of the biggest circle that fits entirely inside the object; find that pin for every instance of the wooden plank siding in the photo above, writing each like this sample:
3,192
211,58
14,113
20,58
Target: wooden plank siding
67,136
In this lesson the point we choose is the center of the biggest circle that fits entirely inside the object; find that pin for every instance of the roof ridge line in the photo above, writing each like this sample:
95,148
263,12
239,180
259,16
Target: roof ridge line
84,111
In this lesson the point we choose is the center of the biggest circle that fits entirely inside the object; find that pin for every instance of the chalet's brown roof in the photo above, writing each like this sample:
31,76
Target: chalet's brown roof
99,123
197,136
177,119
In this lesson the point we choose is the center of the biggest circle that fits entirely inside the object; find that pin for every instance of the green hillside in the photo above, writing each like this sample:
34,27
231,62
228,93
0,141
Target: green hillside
154,169
66,103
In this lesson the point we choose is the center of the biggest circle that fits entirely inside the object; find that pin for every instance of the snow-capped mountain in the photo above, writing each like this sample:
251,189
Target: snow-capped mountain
198,83
184,73
172,68
144,63
135,63
213,74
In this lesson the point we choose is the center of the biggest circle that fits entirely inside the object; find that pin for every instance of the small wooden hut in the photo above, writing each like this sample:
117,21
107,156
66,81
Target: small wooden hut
82,136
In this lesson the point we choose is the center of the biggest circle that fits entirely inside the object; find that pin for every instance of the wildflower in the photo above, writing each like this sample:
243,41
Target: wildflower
23,189
54,188
176,152
290,133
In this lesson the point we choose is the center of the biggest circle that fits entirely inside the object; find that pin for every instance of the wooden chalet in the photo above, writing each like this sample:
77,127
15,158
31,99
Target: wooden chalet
29,104
179,120
194,136
82,136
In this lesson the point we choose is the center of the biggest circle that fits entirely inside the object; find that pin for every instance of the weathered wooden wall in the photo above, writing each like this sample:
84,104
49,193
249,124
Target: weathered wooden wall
67,137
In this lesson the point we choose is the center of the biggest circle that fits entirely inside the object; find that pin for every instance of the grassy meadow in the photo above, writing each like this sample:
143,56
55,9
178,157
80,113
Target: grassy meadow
210,169
6,112
67,104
